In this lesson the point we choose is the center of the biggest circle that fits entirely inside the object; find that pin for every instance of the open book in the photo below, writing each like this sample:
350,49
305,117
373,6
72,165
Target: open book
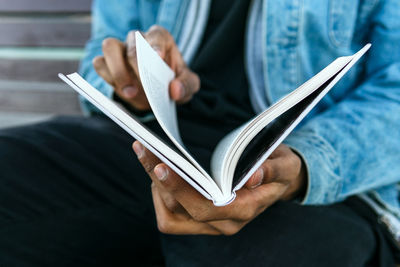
239,154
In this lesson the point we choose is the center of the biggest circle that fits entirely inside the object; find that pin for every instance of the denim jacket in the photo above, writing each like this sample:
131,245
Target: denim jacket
351,141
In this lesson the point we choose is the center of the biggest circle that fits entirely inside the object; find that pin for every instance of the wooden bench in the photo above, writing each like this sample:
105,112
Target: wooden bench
39,39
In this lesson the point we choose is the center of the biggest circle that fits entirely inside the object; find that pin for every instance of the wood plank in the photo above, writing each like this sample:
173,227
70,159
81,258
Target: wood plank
39,101
35,70
14,119
45,5
52,87
42,53
60,31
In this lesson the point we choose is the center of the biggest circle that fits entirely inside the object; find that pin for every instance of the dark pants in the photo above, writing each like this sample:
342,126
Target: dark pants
72,193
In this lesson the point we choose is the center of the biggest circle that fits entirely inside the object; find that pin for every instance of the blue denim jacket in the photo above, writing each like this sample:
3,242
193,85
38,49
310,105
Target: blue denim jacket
351,140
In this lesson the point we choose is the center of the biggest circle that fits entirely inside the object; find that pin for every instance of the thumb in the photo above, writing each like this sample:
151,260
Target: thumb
184,86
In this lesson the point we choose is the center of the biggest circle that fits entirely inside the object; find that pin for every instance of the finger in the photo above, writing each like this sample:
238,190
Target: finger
197,206
172,223
180,189
131,52
255,180
187,83
122,76
149,161
140,100
170,202
160,39
184,86
164,44
282,168
277,168
146,158
268,172
228,227
247,205
99,64
265,194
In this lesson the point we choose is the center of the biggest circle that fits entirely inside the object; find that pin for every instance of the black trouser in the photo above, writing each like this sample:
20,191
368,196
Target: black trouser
72,193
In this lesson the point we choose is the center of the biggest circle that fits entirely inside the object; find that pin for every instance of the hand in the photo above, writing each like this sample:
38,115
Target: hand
118,67
180,209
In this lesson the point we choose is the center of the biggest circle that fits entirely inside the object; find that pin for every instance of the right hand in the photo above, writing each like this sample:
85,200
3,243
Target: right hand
118,67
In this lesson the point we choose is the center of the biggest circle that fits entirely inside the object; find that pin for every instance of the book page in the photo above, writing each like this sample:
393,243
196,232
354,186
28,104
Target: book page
162,150
155,76
294,107
219,157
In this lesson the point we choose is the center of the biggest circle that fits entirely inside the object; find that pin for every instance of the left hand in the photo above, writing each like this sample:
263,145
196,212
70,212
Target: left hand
180,209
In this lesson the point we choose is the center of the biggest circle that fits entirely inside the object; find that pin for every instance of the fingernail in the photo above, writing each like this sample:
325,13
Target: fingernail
258,177
130,91
161,173
139,149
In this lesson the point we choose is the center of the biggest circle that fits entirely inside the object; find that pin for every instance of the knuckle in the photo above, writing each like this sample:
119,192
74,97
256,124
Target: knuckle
148,167
108,43
121,81
97,61
164,226
229,231
158,29
201,216
171,203
158,34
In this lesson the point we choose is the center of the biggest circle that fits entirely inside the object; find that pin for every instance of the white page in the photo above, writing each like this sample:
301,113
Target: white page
179,164
219,157
231,147
224,173
155,76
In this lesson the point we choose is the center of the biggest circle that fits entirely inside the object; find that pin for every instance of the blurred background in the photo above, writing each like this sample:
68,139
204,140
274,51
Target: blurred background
39,39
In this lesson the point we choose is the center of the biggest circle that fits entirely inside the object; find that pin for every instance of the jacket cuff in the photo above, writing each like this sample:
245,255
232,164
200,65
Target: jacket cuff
324,183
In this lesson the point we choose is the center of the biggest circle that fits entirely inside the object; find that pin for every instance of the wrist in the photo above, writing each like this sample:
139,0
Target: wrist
298,187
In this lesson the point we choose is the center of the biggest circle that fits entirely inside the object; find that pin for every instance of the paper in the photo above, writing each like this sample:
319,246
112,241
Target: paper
155,76
163,151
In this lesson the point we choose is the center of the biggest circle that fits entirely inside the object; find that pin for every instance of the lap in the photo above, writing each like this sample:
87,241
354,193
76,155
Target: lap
73,193
71,189
286,234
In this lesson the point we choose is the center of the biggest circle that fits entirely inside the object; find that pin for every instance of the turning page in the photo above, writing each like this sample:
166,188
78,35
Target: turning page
155,76
162,150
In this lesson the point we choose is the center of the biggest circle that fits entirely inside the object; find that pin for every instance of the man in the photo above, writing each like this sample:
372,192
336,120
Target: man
72,193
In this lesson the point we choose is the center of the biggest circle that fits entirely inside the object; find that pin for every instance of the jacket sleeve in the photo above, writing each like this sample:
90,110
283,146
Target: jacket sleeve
109,19
353,147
